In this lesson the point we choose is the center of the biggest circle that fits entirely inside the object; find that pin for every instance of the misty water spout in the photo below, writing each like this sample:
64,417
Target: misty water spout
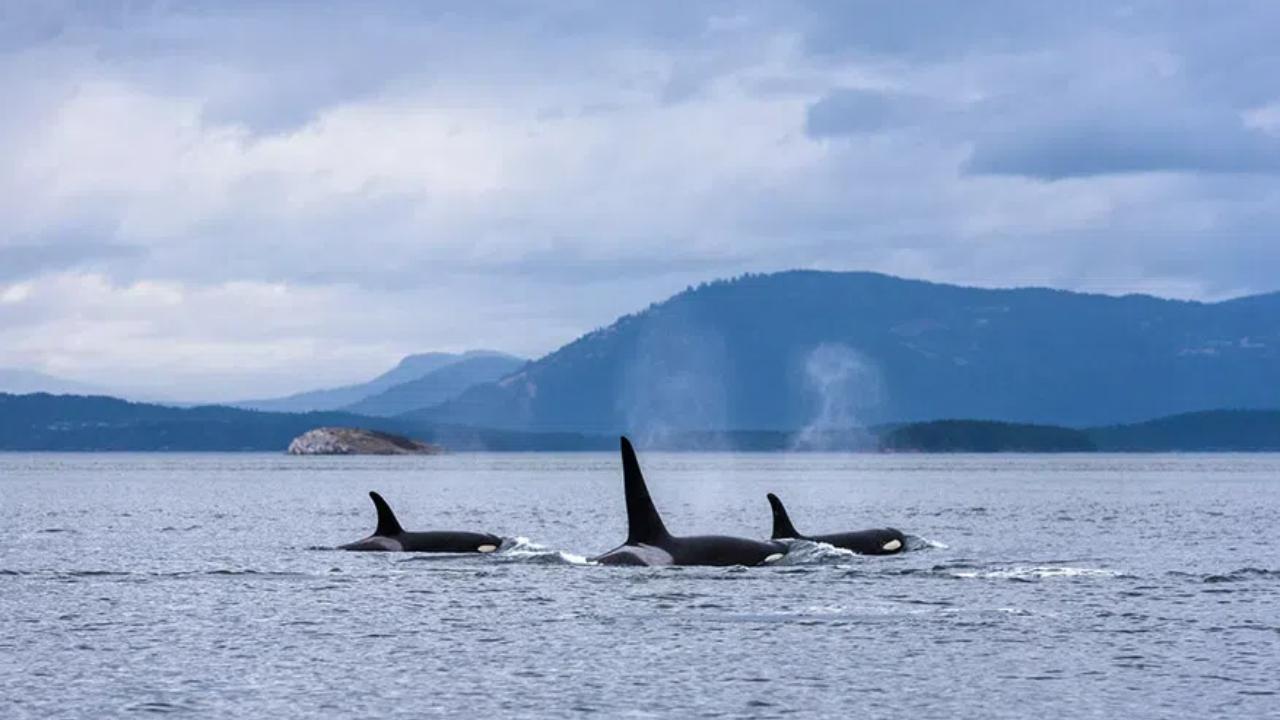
844,384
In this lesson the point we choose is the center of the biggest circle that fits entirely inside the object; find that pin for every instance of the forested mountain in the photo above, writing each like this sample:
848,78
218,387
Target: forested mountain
1236,430
816,350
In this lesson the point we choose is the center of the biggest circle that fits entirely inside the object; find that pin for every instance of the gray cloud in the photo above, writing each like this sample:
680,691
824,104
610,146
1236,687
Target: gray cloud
1114,141
848,111
243,195
22,261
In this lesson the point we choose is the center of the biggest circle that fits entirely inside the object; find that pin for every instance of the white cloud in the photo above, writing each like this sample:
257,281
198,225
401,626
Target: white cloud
15,293
1265,118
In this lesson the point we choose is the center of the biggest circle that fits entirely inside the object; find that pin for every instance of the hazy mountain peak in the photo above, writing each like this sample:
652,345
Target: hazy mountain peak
410,368
19,381
439,385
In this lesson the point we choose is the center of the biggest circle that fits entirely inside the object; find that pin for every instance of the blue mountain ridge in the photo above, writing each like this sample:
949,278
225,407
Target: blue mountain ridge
816,349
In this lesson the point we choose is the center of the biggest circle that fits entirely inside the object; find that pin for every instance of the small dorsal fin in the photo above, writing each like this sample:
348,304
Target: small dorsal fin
782,527
388,526
644,525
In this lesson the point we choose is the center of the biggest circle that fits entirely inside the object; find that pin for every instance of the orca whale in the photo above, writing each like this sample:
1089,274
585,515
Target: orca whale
649,543
881,541
389,536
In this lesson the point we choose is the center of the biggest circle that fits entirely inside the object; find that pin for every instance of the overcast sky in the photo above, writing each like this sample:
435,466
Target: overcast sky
227,199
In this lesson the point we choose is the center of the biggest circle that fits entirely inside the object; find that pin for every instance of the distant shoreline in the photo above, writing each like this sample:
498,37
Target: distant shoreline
68,423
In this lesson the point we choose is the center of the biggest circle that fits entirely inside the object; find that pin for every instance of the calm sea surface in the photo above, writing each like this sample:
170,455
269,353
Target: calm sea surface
1062,586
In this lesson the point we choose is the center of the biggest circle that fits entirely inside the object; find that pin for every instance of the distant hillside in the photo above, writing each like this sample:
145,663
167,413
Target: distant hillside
69,422
437,386
1237,430
13,380
43,422
410,368
820,350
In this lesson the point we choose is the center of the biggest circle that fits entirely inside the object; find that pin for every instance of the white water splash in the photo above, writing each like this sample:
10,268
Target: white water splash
808,552
919,542
522,549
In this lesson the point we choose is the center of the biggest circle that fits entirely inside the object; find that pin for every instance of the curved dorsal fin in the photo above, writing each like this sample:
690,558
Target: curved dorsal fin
387,523
644,525
782,527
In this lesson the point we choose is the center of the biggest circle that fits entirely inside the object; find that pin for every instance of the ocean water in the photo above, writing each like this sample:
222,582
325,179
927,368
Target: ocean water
1051,586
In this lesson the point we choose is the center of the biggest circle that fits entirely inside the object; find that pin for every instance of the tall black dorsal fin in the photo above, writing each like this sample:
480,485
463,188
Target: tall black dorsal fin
782,527
387,523
644,525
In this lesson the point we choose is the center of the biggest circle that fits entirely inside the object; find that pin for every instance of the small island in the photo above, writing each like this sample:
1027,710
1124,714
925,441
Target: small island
357,441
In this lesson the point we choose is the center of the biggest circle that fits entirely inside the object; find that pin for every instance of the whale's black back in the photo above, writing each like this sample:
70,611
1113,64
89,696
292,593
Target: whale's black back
877,541
389,535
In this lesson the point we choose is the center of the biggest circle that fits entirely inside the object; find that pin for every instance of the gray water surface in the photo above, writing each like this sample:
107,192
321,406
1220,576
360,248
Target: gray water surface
1058,586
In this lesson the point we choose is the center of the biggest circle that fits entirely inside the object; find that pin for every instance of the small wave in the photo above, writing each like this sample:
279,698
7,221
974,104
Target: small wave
51,531
1020,612
1033,573
49,573
672,596
1243,574
819,613
246,571
159,707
